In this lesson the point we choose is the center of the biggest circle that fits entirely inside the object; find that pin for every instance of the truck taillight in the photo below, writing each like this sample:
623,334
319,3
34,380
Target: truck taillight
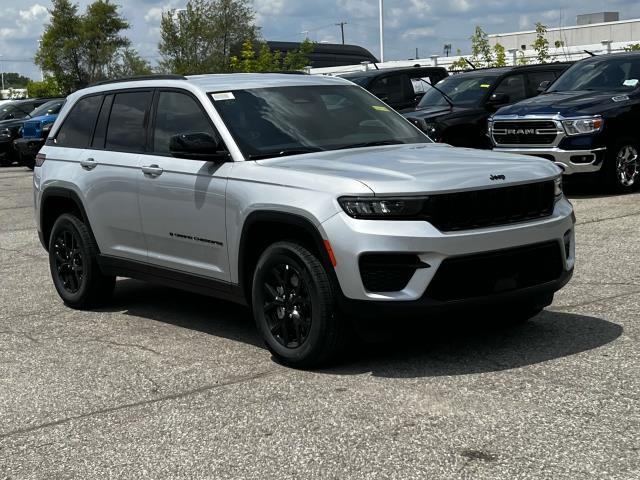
40,158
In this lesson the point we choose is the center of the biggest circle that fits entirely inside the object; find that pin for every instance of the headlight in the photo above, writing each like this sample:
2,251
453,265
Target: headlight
381,208
557,190
581,126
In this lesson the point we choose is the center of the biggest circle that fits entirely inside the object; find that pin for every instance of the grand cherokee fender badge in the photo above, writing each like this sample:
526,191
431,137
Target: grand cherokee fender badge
494,178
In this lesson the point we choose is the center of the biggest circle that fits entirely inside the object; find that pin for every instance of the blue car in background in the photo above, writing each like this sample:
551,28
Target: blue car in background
35,131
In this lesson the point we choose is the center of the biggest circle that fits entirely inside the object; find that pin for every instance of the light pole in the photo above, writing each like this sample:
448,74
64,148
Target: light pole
381,30
2,71
341,25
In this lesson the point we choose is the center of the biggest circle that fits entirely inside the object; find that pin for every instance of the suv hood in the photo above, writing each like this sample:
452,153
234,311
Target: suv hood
568,104
420,168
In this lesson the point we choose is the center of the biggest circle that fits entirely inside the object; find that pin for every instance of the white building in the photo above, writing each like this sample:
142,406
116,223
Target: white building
599,37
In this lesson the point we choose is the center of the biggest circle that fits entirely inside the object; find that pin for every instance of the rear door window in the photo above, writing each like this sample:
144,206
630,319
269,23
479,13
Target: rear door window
393,89
77,129
127,129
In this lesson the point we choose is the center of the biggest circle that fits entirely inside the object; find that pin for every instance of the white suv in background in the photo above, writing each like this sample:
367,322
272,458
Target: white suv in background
306,198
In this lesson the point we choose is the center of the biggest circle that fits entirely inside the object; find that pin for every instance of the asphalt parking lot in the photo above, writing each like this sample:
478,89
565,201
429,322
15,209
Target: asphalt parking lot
166,384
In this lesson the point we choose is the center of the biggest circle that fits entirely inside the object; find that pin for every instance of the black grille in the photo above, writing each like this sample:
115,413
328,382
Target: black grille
388,272
517,133
496,272
485,208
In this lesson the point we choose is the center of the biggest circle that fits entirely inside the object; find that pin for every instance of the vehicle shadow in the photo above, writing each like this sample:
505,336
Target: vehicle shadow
410,348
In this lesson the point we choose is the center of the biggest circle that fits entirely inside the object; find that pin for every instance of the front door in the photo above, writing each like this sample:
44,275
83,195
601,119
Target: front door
182,202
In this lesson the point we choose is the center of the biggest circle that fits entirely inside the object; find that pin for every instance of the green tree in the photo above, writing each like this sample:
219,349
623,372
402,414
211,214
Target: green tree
481,54
46,88
15,80
203,37
541,44
80,49
633,47
128,63
501,55
267,61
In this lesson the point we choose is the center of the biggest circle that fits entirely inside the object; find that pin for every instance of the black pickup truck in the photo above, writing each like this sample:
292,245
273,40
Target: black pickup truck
587,122
456,110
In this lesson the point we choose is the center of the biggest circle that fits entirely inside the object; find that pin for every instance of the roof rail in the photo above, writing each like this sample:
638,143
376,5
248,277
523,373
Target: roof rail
140,77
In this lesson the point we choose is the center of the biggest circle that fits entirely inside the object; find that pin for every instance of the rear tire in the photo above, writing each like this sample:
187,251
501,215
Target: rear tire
73,263
621,169
294,307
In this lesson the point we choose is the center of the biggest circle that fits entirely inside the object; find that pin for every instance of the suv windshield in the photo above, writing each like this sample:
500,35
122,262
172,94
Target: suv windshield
605,74
461,89
50,108
271,122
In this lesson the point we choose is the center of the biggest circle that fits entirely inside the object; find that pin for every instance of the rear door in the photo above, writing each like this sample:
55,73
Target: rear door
394,89
182,201
111,166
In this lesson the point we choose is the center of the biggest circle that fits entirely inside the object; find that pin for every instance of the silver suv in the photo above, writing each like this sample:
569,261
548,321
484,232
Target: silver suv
305,198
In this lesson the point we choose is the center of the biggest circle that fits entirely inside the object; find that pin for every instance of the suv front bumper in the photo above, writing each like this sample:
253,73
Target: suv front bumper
590,160
351,239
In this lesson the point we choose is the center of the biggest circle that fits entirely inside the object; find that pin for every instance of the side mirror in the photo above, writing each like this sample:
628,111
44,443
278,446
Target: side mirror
498,99
543,86
198,146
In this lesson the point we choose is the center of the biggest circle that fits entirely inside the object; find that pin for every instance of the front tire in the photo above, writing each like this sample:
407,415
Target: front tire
74,267
294,307
621,170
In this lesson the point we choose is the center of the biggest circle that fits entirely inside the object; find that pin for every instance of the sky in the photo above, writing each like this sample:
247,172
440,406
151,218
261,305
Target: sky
409,24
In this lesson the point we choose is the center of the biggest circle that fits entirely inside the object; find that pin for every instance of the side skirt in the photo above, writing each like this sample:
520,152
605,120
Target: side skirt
171,278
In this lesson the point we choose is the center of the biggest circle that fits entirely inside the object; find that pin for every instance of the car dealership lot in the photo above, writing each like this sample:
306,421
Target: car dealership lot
165,384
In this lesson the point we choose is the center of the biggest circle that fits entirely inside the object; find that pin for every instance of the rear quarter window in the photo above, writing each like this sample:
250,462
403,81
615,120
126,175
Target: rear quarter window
77,129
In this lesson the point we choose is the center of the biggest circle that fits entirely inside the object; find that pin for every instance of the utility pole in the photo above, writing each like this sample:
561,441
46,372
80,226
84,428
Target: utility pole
2,72
382,30
341,25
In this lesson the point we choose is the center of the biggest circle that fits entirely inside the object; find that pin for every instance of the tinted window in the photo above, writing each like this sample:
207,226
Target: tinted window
177,113
77,129
127,130
393,89
8,112
514,86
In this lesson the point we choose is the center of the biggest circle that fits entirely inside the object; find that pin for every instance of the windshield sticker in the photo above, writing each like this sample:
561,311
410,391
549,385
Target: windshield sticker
219,97
620,98
632,82
380,108
485,85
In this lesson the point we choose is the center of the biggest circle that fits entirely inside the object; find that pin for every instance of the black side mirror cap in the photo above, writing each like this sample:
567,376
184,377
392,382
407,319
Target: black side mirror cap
498,99
198,146
543,86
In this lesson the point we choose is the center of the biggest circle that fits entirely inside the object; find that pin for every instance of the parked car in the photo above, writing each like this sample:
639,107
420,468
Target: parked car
456,111
586,122
304,197
35,131
401,88
12,117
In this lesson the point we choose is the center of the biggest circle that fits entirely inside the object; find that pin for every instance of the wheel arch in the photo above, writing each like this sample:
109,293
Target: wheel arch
260,230
56,201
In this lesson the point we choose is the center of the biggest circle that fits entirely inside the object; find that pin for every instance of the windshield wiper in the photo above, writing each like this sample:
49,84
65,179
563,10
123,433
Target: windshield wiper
378,143
444,95
285,153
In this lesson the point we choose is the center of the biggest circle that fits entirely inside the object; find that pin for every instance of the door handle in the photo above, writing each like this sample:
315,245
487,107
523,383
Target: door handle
88,164
152,170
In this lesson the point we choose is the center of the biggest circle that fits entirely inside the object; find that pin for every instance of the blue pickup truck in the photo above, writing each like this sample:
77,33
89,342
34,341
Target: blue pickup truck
35,131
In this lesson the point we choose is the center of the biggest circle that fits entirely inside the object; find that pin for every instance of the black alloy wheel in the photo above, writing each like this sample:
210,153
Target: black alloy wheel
73,261
294,306
68,259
